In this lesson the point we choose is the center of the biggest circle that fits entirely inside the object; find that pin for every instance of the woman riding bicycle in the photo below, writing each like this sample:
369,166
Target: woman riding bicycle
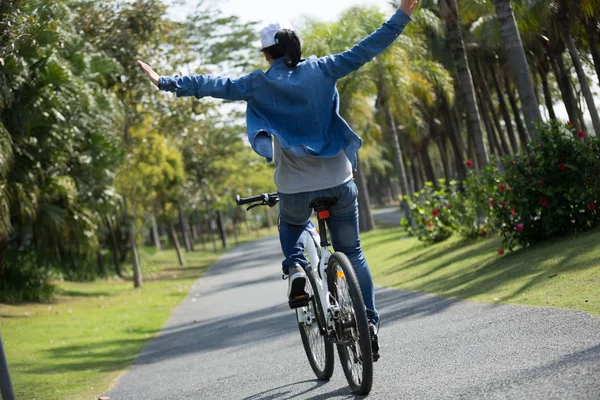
293,118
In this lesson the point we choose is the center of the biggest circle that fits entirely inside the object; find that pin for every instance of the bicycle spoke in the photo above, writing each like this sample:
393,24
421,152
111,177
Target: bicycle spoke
315,338
347,309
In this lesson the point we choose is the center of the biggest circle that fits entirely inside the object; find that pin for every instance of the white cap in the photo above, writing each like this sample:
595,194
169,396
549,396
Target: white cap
267,34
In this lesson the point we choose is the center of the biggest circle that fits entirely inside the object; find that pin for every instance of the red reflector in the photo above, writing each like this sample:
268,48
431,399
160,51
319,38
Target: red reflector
323,214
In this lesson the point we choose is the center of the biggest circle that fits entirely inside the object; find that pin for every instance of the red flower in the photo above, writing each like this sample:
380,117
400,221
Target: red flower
592,206
513,212
512,162
581,134
544,202
503,204
469,163
562,166
434,212
501,187
570,123
491,201
519,227
500,252
430,224
483,231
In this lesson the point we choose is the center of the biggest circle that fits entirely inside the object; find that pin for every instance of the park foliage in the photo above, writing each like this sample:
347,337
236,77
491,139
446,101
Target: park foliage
549,190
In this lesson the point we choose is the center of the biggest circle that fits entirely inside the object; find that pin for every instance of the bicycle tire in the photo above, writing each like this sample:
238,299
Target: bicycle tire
323,369
358,351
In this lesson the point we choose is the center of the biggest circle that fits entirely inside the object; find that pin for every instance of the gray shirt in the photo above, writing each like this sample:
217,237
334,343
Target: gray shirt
295,174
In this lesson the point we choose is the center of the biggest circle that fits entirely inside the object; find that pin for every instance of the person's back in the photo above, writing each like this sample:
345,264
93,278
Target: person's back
300,92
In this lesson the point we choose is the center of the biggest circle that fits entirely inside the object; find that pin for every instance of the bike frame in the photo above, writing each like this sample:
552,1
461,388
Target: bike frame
311,246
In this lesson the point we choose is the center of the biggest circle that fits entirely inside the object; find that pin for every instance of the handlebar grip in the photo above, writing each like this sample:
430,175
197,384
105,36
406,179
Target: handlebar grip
253,199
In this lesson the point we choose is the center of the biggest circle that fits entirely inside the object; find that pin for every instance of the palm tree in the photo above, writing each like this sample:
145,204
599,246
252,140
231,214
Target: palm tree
449,13
518,62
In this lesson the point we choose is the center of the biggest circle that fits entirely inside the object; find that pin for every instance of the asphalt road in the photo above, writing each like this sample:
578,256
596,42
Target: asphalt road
388,216
234,338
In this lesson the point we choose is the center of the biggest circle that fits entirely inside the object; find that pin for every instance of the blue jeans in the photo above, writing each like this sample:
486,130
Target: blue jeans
342,227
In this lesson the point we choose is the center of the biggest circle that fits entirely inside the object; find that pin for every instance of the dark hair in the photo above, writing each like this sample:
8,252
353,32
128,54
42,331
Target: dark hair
288,46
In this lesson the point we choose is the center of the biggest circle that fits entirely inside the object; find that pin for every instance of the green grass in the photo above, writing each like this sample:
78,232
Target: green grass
561,273
75,346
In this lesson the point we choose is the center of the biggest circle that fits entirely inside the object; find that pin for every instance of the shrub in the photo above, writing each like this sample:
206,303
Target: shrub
429,212
552,189
25,276
473,203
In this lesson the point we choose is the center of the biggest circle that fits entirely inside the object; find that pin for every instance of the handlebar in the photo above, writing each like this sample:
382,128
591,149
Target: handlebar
265,199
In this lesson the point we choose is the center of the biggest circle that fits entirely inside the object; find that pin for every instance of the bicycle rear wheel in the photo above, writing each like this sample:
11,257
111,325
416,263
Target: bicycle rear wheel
352,326
319,350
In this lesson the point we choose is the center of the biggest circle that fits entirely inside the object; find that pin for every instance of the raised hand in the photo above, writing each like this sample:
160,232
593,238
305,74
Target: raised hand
150,72
408,6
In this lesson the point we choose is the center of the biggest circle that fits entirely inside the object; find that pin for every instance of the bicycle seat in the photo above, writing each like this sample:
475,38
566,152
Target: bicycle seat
323,203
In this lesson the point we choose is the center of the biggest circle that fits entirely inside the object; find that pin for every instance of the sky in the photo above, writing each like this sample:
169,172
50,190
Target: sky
292,10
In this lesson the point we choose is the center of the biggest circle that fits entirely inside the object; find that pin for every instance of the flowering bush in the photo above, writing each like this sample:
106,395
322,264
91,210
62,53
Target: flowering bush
429,213
474,202
463,207
551,189
554,187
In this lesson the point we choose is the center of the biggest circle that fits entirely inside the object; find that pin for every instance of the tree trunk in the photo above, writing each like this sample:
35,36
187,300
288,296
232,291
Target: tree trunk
504,110
444,155
185,229
471,152
449,12
592,36
115,247
222,229
492,143
175,240
210,227
398,159
211,232
428,167
585,86
456,141
155,236
547,95
486,96
515,110
365,220
518,63
560,71
137,271
417,175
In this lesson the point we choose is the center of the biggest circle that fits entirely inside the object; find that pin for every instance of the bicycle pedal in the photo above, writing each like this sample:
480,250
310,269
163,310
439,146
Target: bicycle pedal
299,301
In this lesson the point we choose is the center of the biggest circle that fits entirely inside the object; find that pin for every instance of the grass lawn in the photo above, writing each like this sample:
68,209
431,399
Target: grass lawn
561,273
75,346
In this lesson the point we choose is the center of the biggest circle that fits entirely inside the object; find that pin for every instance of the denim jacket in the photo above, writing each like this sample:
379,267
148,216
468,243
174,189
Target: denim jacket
300,105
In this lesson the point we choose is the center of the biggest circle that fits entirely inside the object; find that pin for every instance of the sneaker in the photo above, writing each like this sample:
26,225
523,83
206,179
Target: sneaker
374,341
297,284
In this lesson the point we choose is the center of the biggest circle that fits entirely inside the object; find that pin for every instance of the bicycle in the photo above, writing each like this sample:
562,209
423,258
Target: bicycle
334,312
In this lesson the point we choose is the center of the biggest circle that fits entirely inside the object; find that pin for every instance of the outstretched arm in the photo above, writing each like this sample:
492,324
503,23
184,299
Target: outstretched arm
339,65
202,85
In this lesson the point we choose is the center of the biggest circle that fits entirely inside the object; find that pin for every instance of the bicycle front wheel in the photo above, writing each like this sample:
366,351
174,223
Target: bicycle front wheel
352,327
311,323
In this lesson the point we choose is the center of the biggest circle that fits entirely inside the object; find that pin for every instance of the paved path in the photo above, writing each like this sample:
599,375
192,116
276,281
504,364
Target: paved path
388,216
234,338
